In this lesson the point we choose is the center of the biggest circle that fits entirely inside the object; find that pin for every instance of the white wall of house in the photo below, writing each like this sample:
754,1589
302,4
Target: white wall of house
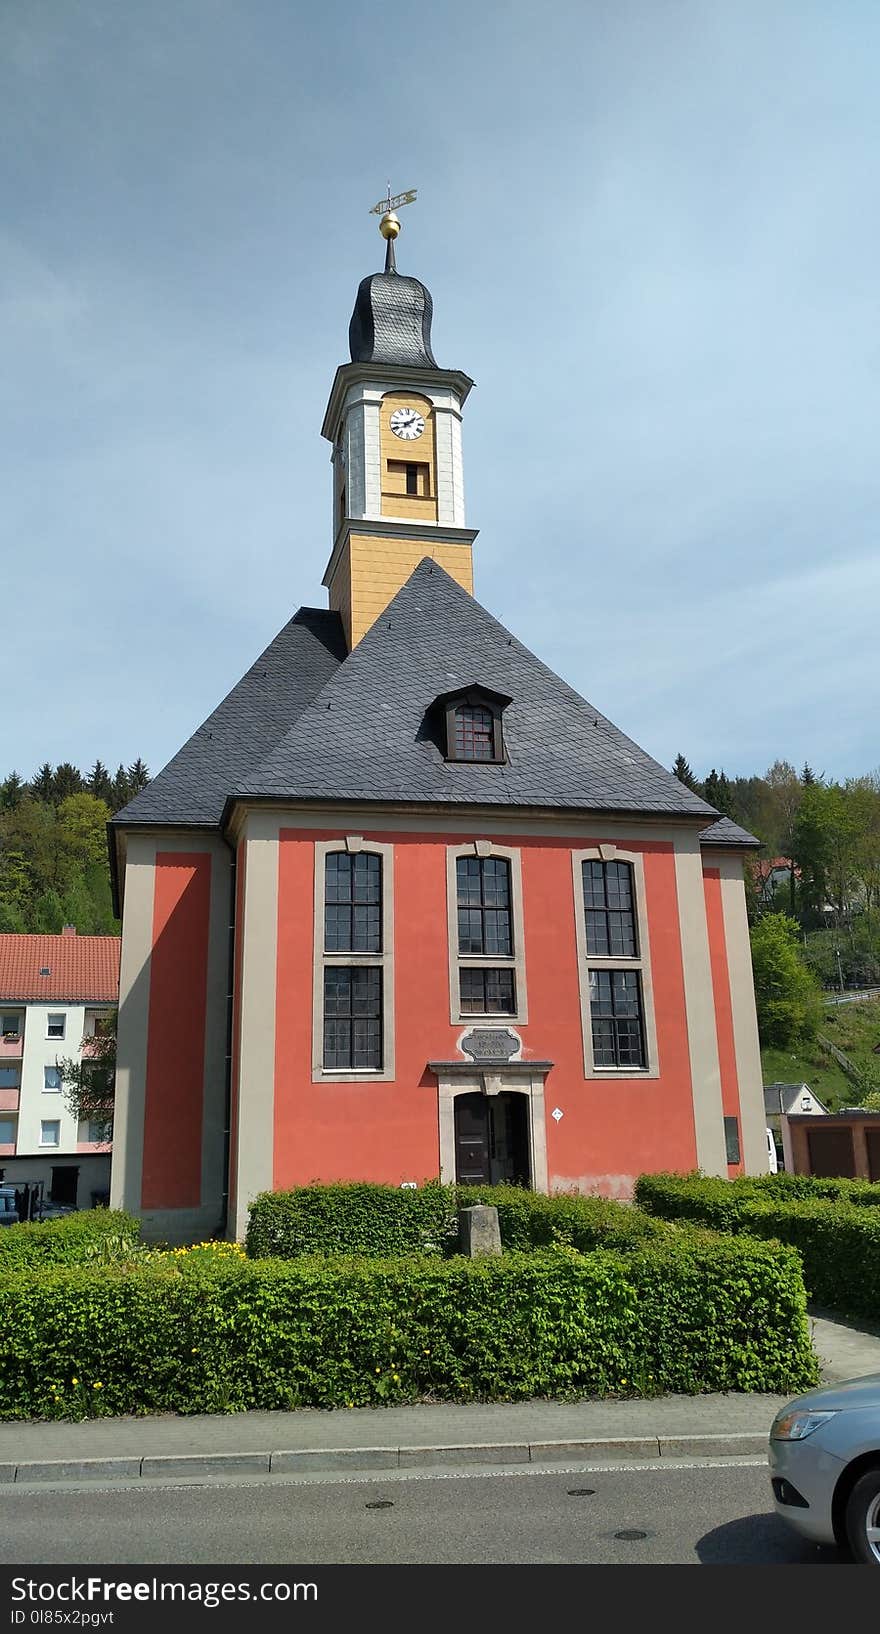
42,1105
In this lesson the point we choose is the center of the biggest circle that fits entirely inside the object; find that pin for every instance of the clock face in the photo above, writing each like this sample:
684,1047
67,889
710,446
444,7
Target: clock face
407,423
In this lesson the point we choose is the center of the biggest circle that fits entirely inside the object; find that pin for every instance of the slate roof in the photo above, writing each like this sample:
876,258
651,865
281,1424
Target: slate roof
82,969
727,833
391,322
193,787
368,734
780,1098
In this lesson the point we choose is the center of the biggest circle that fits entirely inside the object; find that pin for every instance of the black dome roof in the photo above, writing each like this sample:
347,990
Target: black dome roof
391,322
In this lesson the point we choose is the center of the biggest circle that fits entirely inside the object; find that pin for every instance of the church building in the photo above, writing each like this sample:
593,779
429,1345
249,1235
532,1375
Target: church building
406,905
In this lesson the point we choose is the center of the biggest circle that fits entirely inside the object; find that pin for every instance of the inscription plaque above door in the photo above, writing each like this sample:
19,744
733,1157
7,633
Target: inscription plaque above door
489,1044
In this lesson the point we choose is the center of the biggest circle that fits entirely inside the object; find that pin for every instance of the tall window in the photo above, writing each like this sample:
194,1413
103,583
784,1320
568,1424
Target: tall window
485,934
608,905
618,1028
616,1017
353,975
352,1016
353,903
55,1026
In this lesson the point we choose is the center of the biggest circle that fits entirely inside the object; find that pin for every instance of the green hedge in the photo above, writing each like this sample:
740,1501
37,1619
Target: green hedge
90,1234
530,1220
687,1313
382,1220
838,1241
354,1218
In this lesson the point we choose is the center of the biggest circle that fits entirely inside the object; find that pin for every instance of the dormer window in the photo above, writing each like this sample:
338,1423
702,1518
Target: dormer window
473,729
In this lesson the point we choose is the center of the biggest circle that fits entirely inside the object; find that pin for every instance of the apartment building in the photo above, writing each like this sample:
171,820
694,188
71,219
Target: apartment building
57,994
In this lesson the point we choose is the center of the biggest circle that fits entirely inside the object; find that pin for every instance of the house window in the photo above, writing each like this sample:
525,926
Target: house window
55,1025
731,1139
608,906
487,968
9,1027
353,903
50,1132
484,905
51,1078
353,1017
7,1131
474,733
487,992
616,1018
99,1131
353,1024
613,963
103,1026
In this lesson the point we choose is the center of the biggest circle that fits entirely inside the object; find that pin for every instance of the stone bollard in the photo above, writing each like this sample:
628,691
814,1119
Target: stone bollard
479,1231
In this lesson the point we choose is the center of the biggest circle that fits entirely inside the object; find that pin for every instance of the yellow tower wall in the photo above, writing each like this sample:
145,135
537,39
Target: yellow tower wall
371,569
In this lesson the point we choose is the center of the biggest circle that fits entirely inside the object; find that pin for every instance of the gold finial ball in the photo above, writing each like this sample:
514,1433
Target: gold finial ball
389,226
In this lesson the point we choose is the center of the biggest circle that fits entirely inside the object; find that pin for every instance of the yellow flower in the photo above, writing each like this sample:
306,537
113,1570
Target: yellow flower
426,1351
396,1377
378,1370
97,1385
623,1381
74,1381
194,1351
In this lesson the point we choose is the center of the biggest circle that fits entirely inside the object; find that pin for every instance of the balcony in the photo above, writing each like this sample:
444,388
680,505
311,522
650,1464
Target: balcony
11,1044
9,1098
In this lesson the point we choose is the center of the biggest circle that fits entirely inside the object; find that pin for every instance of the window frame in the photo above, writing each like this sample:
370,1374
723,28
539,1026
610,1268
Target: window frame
51,1145
474,698
516,962
639,962
51,1089
353,844
54,1015
12,1119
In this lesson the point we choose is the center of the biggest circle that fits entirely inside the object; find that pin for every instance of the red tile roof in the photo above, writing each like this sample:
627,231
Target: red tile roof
83,969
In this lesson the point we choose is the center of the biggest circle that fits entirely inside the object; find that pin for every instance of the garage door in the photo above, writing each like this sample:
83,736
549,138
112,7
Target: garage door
831,1152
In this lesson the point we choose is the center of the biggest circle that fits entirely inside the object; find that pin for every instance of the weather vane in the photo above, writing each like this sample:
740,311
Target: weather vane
389,226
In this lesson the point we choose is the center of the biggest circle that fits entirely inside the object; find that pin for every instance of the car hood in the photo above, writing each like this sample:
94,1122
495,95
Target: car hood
852,1394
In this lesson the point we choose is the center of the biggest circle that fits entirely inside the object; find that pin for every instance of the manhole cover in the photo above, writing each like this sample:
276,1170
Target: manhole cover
631,1535
581,1491
381,1503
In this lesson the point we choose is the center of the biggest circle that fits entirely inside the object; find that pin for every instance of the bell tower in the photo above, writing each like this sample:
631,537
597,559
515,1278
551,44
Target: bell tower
394,423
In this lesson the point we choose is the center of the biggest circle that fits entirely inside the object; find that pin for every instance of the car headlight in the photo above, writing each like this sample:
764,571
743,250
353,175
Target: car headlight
796,1426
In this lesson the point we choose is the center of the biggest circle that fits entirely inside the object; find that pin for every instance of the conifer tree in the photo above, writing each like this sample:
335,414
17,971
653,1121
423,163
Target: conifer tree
682,771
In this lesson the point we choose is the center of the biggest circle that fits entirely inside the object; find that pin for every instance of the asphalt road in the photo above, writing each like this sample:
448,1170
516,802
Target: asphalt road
699,1514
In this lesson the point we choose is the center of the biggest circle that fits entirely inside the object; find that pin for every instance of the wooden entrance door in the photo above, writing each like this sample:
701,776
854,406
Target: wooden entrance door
492,1140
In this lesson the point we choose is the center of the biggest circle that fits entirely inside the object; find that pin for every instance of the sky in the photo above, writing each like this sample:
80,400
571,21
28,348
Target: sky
651,230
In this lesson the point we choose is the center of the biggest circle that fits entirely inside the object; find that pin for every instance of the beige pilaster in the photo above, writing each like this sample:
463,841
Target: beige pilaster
700,1007
133,1023
256,1042
753,1123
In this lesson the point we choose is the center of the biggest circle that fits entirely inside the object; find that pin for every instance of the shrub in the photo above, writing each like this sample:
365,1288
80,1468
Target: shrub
684,1313
838,1240
383,1220
352,1218
90,1234
529,1220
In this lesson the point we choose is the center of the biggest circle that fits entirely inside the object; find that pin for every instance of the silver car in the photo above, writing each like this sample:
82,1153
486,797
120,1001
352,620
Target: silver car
825,1466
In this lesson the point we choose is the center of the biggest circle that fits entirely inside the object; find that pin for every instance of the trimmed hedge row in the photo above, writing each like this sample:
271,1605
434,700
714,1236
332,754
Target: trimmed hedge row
90,1234
381,1220
686,1313
353,1218
838,1241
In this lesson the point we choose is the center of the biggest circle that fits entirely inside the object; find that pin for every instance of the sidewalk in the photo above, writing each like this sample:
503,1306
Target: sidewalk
166,1448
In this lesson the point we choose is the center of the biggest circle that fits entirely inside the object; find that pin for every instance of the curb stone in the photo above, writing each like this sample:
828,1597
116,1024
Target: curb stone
211,1465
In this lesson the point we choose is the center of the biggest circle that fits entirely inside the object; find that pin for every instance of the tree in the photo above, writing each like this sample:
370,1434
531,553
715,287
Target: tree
783,803
718,792
68,780
808,776
121,790
12,792
99,783
82,821
786,993
43,785
138,777
682,771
